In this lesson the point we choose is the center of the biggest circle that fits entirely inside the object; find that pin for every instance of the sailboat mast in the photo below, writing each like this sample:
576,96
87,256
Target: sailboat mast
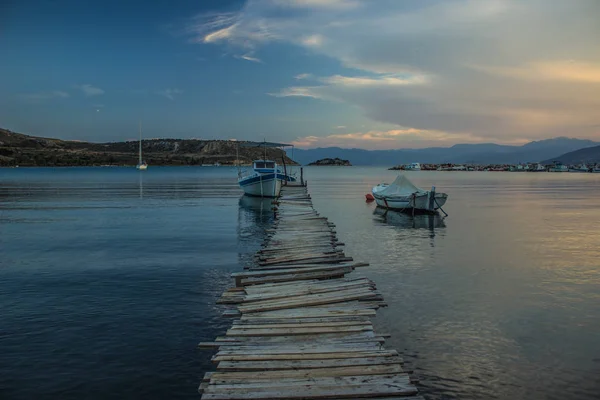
140,152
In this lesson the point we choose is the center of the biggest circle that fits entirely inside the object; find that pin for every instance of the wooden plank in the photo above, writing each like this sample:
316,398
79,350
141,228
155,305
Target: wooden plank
256,325
288,271
304,292
306,364
322,381
266,321
316,388
338,272
316,260
381,369
305,356
326,338
295,331
291,285
290,348
304,301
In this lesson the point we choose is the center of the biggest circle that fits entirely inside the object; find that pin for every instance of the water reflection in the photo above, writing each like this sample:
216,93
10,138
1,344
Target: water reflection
141,185
255,215
258,206
407,221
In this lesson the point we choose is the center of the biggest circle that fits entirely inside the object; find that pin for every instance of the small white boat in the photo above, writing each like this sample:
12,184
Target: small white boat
596,169
142,166
413,167
402,194
537,168
264,180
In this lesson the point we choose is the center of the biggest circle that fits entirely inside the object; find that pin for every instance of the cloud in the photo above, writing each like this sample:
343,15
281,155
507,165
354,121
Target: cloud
55,94
248,57
338,84
340,127
169,93
331,4
303,76
89,90
496,69
557,71
296,92
313,40
379,80
385,139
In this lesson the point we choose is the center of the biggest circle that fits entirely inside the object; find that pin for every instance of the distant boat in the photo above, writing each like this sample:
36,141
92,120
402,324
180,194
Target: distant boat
402,194
596,169
580,168
559,167
538,168
142,166
413,167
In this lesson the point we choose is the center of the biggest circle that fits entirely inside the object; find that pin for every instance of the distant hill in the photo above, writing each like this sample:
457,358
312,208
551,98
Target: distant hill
589,155
24,150
485,153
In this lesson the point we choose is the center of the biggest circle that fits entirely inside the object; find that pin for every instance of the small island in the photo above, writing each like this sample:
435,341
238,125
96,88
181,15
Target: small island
337,162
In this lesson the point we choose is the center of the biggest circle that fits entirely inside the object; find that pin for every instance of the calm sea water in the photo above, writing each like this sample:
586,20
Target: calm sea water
108,278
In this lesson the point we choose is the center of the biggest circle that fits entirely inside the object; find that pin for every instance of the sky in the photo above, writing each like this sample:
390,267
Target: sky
373,74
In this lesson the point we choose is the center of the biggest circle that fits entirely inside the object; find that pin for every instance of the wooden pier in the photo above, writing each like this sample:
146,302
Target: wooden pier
302,327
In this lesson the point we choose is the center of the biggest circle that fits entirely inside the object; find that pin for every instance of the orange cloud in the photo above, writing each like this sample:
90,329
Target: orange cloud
388,139
568,71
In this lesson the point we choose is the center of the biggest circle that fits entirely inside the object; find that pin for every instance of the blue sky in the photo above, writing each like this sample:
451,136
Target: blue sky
350,73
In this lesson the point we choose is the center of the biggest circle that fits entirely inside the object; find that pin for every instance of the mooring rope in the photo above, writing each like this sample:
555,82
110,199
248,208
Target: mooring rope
438,204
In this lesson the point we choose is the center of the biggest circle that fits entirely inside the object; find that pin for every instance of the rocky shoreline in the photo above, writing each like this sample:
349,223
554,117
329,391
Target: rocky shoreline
337,162
17,149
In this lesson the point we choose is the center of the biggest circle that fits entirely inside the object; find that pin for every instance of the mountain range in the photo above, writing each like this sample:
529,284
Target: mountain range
588,155
485,153
26,150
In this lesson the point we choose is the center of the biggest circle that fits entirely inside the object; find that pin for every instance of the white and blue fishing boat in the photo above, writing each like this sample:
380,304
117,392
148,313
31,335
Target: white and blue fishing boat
264,180
266,177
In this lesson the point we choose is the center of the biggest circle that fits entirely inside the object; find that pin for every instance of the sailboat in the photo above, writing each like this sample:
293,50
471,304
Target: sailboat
142,166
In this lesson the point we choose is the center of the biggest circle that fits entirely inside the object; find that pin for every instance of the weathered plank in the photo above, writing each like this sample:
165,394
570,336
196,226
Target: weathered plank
276,365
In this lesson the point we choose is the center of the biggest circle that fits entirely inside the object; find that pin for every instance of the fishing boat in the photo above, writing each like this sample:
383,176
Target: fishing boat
264,180
537,168
580,168
402,194
596,169
266,177
558,167
142,165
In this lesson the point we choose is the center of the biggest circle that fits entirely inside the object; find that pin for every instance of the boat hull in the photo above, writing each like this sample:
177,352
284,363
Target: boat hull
262,185
418,202
142,167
